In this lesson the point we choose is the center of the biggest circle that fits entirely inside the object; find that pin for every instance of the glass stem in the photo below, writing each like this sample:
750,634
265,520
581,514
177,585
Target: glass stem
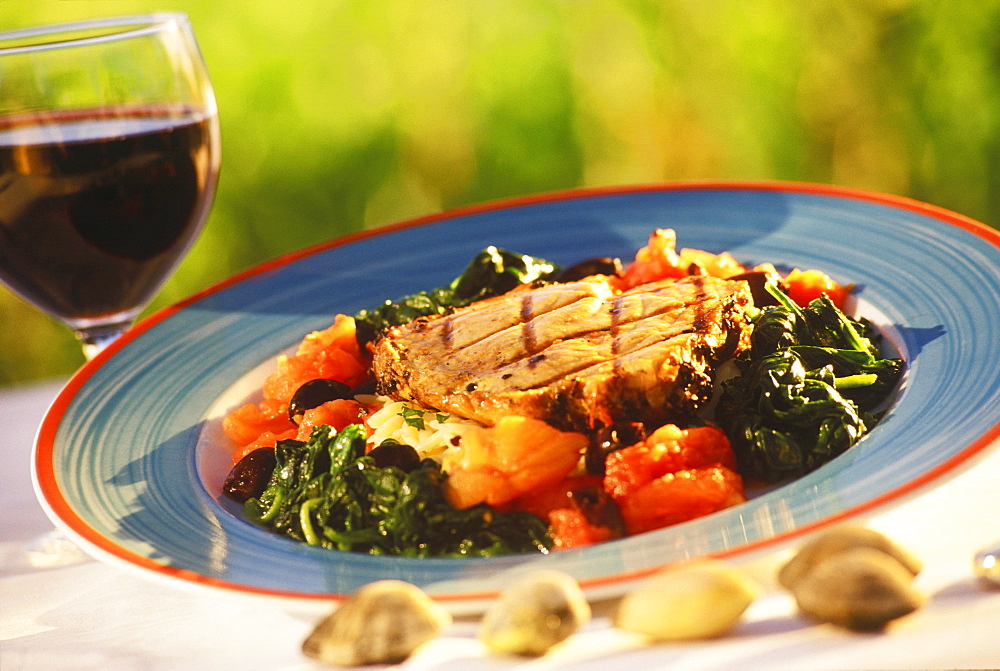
94,339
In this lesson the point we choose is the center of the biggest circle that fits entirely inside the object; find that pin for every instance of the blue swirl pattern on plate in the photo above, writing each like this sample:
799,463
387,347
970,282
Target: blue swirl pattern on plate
118,463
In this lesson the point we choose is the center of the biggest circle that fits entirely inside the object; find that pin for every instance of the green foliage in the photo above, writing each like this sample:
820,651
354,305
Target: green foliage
339,116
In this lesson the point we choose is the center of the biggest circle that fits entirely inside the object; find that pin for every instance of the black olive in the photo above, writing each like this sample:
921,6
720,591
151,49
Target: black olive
598,508
366,387
315,393
391,453
757,279
600,265
364,332
609,439
250,475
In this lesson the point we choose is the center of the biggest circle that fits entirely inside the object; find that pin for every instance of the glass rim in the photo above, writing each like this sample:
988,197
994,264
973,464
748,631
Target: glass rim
143,24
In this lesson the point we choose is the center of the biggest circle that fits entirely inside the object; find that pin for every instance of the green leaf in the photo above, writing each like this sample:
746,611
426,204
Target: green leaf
807,388
413,417
327,492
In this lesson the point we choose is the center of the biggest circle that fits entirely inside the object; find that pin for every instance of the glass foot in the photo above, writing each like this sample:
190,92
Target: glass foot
53,550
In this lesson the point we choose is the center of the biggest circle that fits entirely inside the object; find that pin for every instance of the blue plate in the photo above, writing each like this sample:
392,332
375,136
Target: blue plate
129,459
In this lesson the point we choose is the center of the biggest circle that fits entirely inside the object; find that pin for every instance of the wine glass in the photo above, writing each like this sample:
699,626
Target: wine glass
109,157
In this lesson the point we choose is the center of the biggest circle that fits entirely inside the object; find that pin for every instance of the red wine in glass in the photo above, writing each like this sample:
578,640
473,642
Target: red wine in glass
98,206
109,155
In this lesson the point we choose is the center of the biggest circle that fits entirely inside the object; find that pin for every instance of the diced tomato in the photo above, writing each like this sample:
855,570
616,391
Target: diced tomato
697,262
672,476
542,501
249,421
498,464
659,260
266,439
691,448
337,414
627,469
332,353
465,488
804,286
341,335
578,511
294,371
571,529
666,450
681,496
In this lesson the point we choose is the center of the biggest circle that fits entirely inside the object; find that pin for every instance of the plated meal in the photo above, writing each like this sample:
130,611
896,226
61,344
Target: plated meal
132,457
524,407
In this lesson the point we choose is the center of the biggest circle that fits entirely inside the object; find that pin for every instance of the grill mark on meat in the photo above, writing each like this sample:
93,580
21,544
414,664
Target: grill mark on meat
581,368
494,315
533,352
527,323
447,329
532,344
571,354
616,317
617,366
699,320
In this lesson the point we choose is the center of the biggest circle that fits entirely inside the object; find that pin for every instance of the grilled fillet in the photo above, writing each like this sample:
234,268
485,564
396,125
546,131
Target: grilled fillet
576,355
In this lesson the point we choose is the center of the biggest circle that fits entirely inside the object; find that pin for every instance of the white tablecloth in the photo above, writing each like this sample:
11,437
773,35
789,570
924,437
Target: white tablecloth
95,616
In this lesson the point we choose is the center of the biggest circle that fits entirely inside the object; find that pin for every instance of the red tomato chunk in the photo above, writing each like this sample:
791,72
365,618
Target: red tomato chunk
673,476
332,353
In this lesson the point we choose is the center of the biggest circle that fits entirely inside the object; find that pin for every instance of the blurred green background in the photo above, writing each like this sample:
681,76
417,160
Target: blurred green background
338,116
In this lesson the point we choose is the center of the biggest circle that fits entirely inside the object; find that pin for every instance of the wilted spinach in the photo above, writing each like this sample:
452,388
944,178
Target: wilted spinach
809,385
327,492
491,272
